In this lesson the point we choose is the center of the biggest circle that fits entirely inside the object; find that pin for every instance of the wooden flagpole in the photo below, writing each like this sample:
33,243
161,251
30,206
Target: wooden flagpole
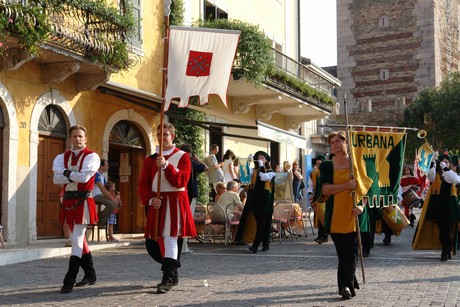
167,4
358,230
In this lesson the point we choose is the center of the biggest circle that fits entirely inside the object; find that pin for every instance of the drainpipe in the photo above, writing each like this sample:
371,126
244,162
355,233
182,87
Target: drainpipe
299,38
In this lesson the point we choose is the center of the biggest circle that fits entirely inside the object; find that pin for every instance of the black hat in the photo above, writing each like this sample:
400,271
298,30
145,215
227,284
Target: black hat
263,153
444,157
454,159
318,157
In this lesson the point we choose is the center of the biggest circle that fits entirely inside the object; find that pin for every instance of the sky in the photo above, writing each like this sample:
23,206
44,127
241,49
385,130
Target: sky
319,31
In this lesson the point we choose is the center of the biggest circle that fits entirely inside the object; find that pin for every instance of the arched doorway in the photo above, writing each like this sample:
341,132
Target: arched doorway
126,156
2,125
51,142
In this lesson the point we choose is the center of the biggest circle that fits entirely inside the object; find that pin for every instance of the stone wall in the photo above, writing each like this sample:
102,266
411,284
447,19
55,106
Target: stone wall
391,50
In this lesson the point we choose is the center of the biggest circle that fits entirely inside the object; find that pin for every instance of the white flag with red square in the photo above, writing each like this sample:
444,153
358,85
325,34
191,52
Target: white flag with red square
199,63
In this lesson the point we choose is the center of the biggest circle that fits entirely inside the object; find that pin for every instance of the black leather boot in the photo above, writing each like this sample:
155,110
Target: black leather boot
444,256
71,276
412,219
88,268
175,278
169,275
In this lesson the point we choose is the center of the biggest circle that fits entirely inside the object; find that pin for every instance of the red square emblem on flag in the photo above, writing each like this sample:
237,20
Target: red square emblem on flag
199,64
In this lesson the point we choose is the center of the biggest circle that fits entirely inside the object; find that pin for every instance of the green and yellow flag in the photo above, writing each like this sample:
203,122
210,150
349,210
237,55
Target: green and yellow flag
377,165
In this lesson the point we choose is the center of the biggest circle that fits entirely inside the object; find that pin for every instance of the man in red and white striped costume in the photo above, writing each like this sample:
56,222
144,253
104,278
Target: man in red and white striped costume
175,220
75,169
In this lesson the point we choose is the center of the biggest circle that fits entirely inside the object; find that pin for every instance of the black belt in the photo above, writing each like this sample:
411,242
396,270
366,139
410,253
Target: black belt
77,194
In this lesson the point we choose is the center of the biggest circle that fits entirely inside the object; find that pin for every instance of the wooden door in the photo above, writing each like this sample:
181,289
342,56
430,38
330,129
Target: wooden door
125,165
48,222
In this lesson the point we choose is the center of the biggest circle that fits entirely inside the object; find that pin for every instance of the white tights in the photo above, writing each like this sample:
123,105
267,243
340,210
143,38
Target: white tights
171,249
77,239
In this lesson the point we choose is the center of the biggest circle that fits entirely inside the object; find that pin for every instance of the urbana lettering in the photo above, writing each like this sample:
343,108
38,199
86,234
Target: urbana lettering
373,141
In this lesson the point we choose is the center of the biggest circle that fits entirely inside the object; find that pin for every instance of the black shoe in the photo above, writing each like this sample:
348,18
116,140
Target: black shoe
175,283
66,288
318,240
444,256
253,249
387,240
346,293
85,281
324,239
164,287
265,248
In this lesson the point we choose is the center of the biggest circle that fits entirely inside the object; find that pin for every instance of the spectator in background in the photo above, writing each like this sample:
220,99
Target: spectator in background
236,168
215,173
102,196
221,187
110,186
230,195
296,181
192,186
286,166
227,168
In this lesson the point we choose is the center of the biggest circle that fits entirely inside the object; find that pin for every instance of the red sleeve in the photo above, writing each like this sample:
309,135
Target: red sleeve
145,181
179,178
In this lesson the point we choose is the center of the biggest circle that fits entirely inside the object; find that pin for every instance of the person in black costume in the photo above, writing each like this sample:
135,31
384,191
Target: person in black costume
261,192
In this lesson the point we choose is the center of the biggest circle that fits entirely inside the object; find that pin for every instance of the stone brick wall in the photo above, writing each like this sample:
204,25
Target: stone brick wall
414,43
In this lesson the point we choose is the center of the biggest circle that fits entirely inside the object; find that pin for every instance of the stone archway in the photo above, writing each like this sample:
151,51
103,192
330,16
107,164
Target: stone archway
127,140
9,168
52,97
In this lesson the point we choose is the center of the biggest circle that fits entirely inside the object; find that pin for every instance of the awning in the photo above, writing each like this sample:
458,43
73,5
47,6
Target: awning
280,135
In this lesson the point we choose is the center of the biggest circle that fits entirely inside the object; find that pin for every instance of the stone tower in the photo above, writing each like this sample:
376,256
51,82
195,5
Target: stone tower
390,50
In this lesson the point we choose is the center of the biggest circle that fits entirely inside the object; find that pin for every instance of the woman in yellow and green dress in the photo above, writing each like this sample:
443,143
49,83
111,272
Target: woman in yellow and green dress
341,213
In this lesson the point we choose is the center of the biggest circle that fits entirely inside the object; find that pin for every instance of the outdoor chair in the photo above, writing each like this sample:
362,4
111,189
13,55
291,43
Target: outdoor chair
97,228
218,219
233,212
282,211
307,212
201,219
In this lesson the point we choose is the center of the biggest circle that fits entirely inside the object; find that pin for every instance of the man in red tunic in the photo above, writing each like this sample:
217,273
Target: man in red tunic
169,218
75,169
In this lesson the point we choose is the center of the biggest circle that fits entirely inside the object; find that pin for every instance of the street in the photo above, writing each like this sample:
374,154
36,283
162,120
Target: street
299,273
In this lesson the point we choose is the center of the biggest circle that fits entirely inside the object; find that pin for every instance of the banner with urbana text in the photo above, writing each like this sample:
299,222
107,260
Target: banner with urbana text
377,159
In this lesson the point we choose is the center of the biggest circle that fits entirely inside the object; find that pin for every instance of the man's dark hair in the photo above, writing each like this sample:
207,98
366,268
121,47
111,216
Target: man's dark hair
186,147
103,161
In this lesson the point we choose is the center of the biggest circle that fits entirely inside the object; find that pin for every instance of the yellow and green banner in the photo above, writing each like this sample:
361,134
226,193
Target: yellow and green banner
377,159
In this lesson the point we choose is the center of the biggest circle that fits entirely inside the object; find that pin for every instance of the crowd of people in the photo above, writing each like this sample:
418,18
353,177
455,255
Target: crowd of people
168,188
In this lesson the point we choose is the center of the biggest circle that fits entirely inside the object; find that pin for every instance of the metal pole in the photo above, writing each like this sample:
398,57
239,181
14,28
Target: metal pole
350,153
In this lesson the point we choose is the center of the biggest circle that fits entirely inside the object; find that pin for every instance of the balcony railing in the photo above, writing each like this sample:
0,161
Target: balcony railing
81,27
303,73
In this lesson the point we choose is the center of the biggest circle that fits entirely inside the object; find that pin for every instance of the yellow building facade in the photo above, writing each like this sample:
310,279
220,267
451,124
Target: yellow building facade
41,97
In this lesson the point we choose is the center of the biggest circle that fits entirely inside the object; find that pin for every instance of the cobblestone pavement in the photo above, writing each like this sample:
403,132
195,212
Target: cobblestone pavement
299,273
